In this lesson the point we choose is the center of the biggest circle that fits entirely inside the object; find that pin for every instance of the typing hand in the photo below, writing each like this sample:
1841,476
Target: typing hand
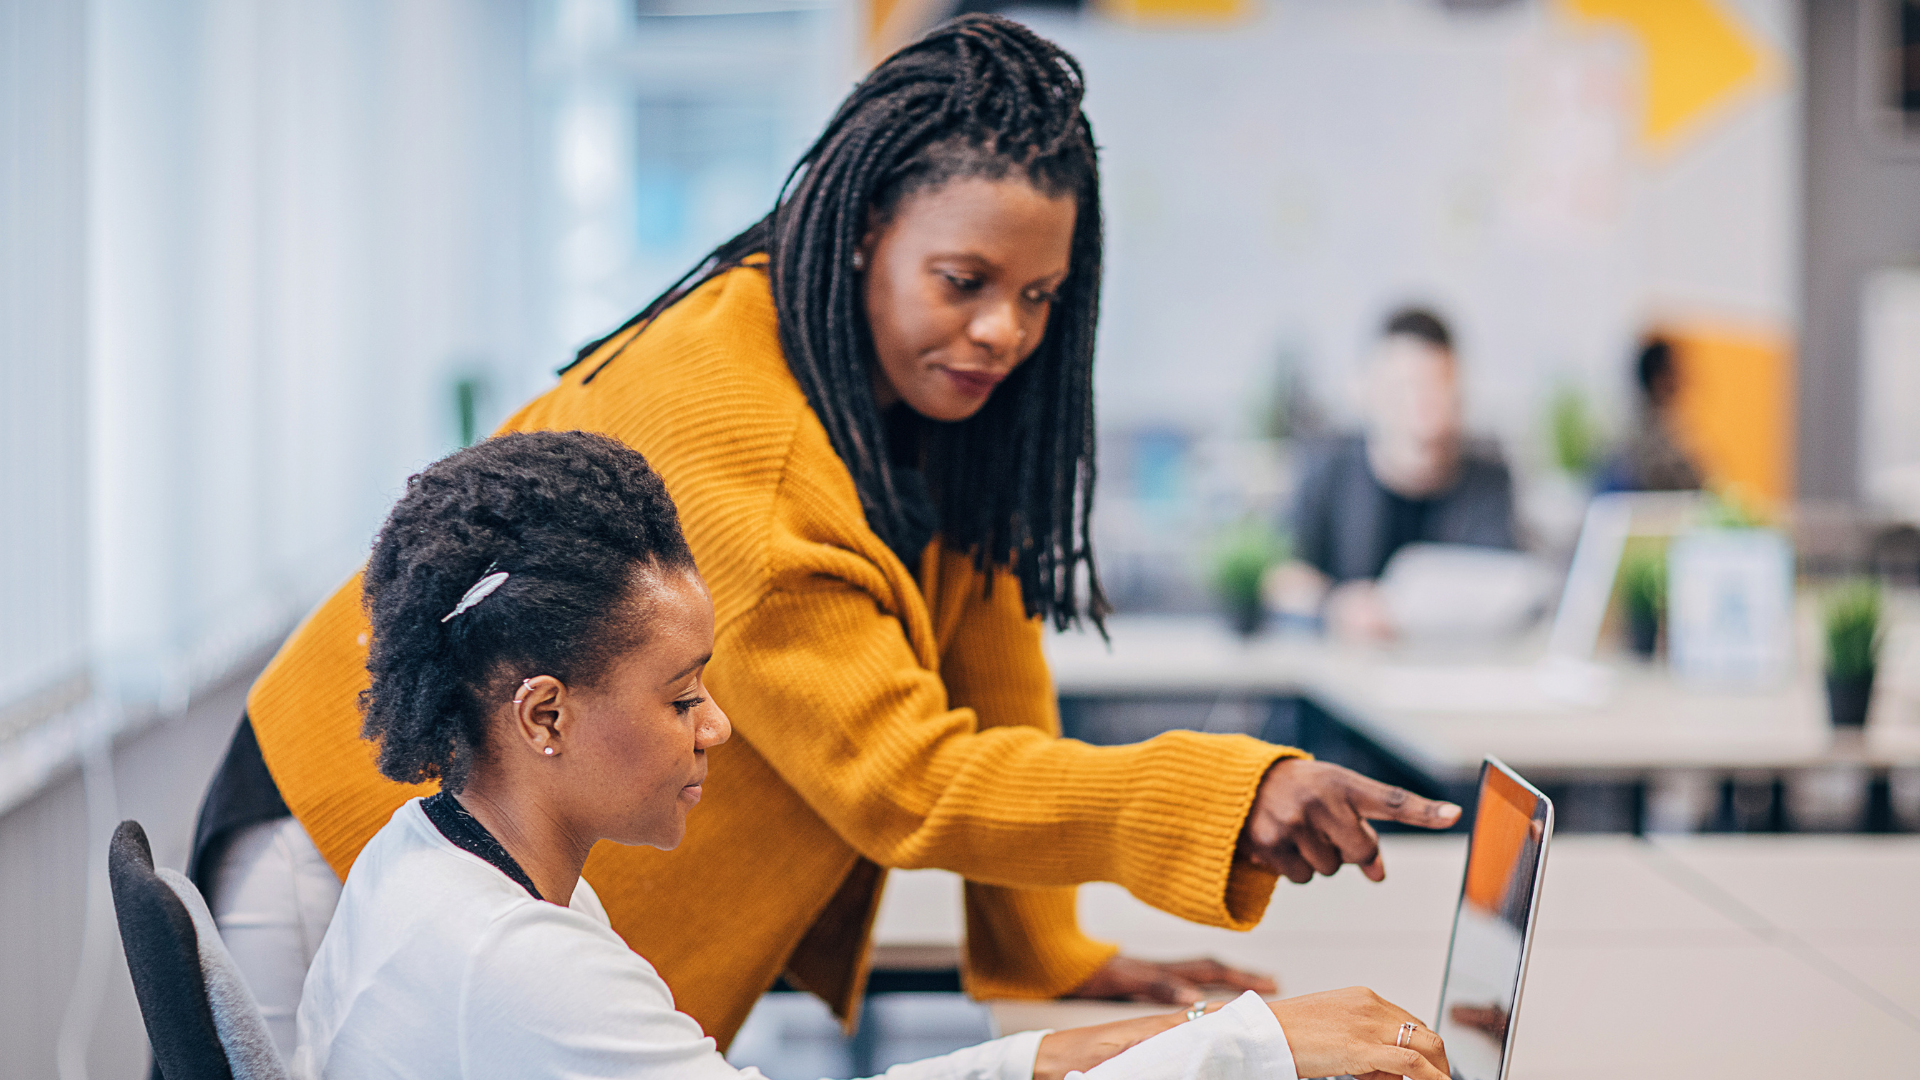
1311,816
1357,1032
1180,982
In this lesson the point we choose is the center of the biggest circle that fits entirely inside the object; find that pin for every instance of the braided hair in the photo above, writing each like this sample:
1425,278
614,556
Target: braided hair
980,96
570,517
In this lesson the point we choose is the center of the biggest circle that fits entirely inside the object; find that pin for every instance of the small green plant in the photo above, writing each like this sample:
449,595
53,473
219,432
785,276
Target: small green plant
1732,508
1643,593
1643,581
1240,562
1288,410
1577,439
1852,617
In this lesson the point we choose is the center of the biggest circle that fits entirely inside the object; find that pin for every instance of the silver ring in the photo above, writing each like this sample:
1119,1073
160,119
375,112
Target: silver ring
1406,1034
1196,1010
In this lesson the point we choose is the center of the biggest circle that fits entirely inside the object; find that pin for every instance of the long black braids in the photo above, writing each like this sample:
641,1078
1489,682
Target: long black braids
980,96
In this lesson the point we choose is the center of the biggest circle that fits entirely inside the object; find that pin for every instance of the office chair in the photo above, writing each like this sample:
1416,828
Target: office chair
201,1019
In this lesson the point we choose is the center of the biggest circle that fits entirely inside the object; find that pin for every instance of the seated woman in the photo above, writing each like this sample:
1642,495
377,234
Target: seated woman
540,638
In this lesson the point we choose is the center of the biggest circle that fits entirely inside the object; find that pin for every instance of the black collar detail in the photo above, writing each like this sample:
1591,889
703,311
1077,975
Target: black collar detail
467,834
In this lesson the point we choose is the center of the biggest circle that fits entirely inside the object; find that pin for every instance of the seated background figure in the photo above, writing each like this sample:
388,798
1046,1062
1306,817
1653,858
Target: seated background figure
1652,458
1411,476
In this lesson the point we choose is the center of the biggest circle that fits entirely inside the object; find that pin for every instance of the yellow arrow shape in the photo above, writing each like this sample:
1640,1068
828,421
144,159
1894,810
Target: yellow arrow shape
1698,58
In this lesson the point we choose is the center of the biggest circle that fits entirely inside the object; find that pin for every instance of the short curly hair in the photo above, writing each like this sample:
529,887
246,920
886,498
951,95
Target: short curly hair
572,518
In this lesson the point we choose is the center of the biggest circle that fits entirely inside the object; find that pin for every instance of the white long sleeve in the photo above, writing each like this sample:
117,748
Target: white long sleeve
1241,1039
553,994
439,967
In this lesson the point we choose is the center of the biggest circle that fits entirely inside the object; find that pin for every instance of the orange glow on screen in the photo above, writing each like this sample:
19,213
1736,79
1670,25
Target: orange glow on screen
1500,830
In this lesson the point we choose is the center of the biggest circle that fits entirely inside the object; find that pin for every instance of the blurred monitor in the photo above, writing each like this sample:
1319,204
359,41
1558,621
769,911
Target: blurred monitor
1611,519
1493,924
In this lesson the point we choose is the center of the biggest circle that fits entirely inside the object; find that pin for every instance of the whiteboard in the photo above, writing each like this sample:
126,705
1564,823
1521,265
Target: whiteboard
1890,390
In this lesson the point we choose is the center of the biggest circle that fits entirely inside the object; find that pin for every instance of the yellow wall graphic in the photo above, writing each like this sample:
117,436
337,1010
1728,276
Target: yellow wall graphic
892,24
1735,409
1699,58
1178,10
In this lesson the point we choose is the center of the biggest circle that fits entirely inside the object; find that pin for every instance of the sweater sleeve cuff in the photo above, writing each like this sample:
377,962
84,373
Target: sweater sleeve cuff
1184,861
1027,943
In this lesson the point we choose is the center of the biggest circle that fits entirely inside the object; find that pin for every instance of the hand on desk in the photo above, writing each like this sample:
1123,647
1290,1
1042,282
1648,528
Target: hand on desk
1312,816
1350,610
1355,611
1178,983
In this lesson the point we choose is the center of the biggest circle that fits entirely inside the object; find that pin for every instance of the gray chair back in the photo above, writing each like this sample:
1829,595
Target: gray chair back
201,1019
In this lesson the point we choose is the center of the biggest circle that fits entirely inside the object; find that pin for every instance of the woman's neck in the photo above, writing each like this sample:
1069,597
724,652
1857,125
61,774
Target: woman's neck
538,839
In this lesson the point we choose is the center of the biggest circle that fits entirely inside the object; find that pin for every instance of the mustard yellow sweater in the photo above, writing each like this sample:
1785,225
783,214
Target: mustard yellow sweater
878,721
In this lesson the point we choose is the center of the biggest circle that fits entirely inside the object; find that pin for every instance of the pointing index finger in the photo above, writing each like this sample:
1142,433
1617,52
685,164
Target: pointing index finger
1384,802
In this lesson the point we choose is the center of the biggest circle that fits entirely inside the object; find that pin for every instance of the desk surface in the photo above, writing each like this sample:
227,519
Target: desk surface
1736,956
1442,712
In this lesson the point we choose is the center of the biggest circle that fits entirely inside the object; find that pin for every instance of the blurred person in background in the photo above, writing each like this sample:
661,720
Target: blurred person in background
1653,458
1410,476
874,409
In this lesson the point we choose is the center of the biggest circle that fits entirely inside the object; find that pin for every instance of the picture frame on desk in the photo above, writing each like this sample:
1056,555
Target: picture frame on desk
1730,608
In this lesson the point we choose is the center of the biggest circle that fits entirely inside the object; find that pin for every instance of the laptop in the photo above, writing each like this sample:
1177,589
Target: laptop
1493,923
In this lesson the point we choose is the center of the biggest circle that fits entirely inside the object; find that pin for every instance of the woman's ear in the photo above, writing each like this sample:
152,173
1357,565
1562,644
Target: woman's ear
869,241
537,706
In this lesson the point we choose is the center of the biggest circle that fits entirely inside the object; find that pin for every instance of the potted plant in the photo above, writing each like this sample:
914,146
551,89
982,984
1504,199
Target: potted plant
1576,437
1240,563
1643,596
1851,617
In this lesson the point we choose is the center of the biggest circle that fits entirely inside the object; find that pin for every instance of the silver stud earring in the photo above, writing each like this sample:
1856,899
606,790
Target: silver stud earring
859,260
549,751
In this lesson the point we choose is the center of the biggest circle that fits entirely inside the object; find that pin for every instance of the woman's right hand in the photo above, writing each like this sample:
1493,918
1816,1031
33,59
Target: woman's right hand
1352,1031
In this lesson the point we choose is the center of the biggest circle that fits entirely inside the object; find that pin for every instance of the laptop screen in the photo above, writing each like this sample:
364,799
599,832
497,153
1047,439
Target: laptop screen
1488,955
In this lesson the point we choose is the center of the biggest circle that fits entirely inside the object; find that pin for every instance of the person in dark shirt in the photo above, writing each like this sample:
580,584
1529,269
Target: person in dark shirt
1652,458
1411,476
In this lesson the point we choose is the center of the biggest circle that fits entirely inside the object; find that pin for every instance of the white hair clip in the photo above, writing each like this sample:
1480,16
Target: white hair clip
480,591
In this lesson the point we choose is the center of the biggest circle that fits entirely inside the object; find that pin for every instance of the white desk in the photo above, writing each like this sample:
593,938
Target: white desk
1441,713
1748,956
1865,926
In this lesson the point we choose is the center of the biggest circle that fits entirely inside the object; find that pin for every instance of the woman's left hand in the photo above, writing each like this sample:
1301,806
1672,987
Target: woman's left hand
1179,982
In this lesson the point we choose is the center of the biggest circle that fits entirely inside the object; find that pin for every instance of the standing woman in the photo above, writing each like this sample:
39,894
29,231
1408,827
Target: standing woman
874,411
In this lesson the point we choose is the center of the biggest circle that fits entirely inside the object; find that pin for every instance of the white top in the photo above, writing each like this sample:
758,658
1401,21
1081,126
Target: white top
437,965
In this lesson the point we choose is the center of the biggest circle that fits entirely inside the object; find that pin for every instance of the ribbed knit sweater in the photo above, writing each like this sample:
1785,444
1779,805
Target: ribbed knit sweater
879,720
